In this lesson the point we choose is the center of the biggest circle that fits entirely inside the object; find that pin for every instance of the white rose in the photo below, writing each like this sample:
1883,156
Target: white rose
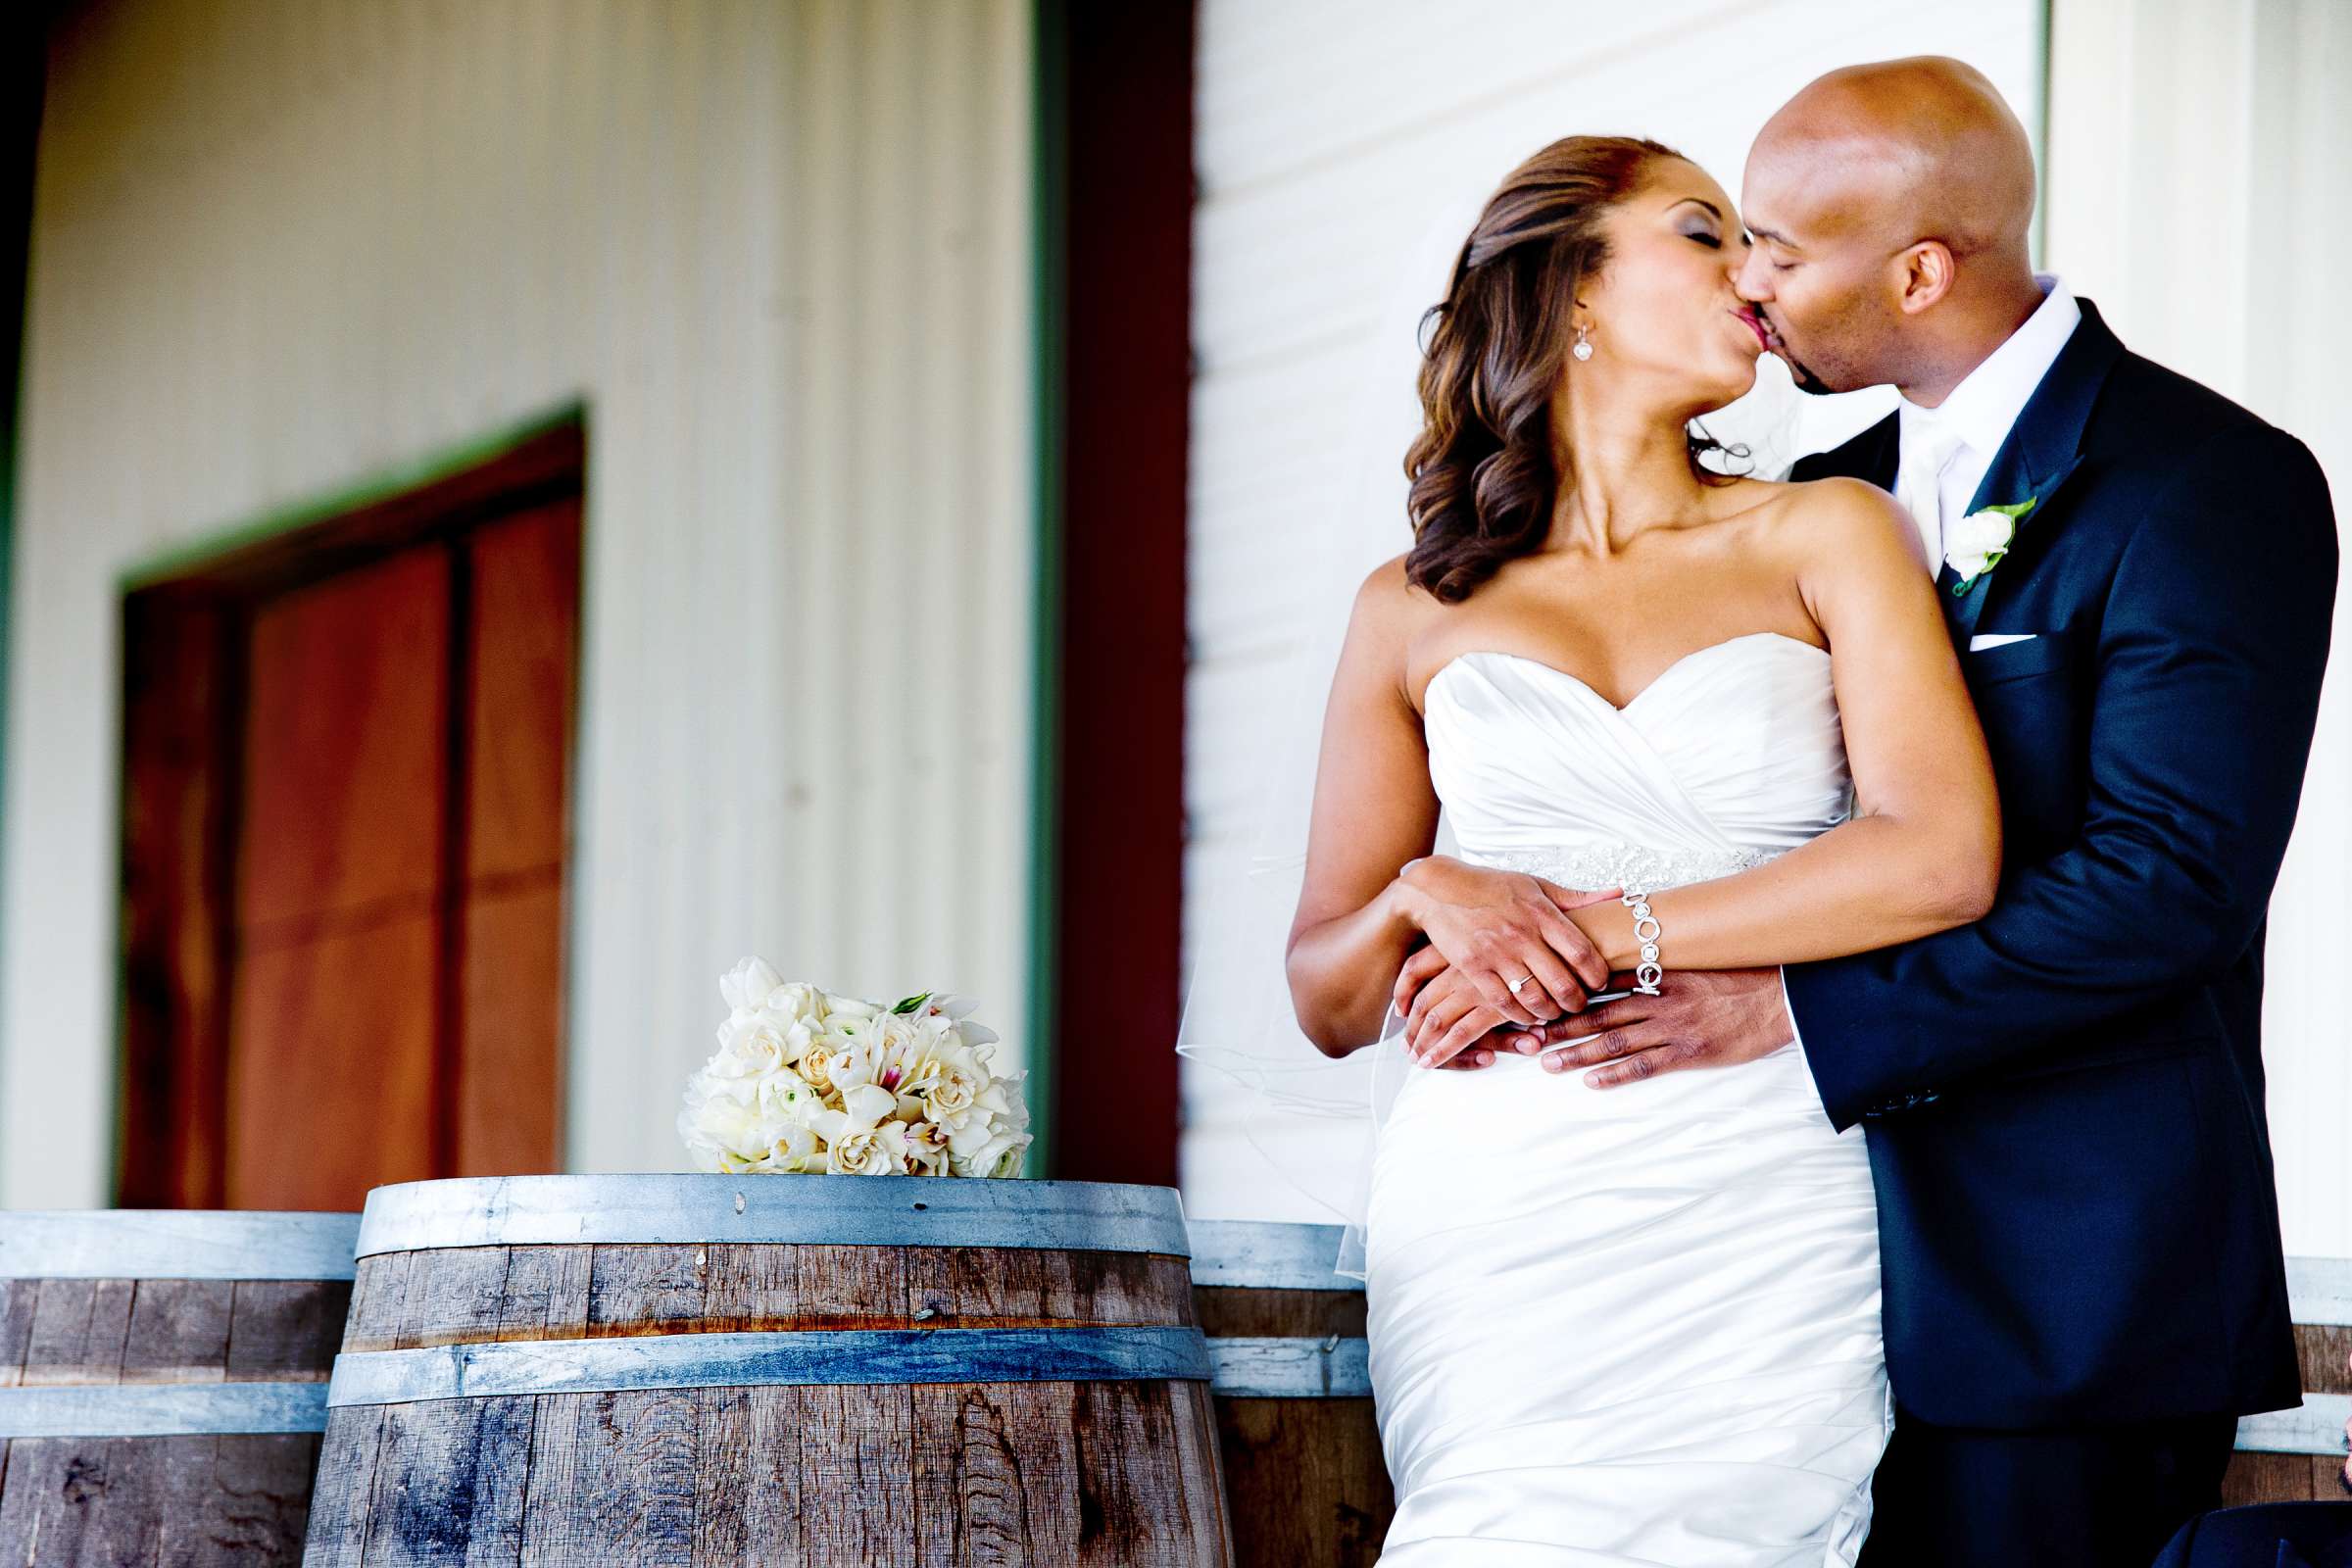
871,1151
849,1007
1978,540
747,986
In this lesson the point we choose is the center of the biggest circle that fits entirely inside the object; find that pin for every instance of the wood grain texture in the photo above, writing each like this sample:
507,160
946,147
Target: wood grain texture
449,1482
1229,1312
242,1499
1059,1475
179,1332
17,1298
1305,1479
283,1331
345,1490
613,1480
748,1459
181,1500
79,1327
2325,1352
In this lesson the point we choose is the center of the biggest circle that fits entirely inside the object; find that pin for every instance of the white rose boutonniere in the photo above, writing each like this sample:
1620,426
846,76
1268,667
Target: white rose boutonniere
1977,542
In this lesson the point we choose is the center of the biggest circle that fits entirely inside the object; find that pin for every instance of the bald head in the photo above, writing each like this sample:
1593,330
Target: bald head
1892,206
1910,149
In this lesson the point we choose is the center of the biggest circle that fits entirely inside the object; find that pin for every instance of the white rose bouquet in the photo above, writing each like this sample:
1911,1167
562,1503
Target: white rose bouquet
806,1081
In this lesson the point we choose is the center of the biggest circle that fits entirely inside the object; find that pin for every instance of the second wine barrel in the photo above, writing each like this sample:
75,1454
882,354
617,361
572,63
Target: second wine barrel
819,1370
163,1382
1305,1480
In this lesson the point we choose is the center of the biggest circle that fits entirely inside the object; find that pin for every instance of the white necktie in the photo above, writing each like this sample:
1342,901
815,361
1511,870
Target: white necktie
1928,449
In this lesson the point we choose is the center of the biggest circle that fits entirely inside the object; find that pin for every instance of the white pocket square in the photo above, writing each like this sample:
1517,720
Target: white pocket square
1999,639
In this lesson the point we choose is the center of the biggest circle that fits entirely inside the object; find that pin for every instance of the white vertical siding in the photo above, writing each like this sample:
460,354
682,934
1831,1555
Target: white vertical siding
1343,154
780,251
2197,183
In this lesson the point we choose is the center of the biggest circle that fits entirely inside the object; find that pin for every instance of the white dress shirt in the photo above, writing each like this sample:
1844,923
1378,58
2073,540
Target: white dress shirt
1979,412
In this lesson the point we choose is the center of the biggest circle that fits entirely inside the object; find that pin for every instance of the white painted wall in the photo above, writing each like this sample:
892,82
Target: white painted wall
781,251
2199,192
1343,155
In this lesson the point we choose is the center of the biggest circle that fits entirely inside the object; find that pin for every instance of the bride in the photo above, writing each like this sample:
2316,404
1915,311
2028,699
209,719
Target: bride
1674,719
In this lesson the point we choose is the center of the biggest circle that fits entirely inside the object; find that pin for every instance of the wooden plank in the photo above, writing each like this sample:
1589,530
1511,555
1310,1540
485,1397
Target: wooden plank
346,738
2330,1478
856,1449
451,1476
346,1487
748,1469
363,1110
238,1499
379,1292
1304,1481
286,1330
455,1295
613,1480
524,590
125,1522
18,1298
1128,1476
182,682
2325,1352
178,1332
995,1474
2268,1478
43,1492
78,1330
850,1287
752,1287
1201,1472
509,1043
986,1286
1227,1314
646,1289
545,1293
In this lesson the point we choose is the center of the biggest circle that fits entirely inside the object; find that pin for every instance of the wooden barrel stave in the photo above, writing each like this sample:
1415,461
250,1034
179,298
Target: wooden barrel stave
1051,1472
147,1348
406,1300
2323,1348
1305,1478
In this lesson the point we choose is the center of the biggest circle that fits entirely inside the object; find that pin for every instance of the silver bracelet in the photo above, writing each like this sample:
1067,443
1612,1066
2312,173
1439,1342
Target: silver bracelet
1649,972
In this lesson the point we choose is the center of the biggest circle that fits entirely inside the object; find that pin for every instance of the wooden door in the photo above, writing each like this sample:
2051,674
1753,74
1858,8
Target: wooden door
346,771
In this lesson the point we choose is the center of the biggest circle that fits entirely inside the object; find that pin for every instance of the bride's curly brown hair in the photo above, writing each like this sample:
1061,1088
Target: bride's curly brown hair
1483,477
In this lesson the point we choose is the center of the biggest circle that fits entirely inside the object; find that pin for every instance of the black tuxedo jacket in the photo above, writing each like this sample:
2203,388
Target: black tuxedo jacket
2077,1212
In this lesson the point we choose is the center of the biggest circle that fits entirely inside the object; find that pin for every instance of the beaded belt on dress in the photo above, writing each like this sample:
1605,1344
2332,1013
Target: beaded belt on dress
1590,867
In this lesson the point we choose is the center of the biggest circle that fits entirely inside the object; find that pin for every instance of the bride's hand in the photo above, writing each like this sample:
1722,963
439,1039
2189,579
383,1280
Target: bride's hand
1497,927
1450,1024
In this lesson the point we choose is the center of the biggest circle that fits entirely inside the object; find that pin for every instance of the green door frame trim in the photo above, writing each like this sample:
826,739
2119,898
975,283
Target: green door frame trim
382,484
1048,130
211,544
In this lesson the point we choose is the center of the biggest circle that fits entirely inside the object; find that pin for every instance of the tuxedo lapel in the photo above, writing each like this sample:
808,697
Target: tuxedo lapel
2043,449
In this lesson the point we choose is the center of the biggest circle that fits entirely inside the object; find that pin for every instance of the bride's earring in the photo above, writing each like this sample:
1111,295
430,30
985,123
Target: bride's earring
1584,344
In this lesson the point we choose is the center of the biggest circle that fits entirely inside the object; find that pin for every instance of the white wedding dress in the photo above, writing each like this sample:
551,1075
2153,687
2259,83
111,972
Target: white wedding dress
1635,1325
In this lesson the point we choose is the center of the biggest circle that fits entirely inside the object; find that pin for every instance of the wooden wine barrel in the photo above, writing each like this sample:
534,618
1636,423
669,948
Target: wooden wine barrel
2299,1455
803,1370
1305,1482
163,1382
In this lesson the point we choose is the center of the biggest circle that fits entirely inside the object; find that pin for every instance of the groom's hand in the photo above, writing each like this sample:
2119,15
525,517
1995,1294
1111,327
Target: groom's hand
1448,1020
1704,1018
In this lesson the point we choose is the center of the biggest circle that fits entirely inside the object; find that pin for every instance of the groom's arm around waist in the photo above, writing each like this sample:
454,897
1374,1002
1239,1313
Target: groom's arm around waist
2208,662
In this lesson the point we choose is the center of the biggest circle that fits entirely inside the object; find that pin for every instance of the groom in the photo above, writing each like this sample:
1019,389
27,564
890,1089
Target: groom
2083,1277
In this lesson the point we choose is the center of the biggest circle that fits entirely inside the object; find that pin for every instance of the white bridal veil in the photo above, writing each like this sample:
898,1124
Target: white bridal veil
1313,1120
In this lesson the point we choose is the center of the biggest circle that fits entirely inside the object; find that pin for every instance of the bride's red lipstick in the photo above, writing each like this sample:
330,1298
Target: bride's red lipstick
1755,323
